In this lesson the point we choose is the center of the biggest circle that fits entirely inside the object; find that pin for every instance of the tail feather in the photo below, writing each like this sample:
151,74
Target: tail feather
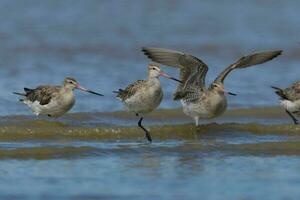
119,91
280,92
21,94
18,93
27,90
276,88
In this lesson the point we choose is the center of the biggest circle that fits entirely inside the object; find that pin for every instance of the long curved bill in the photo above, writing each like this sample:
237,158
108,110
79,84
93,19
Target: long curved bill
170,77
87,90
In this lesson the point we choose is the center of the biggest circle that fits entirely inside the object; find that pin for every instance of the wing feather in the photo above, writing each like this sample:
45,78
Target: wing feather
42,94
130,90
248,61
192,69
293,92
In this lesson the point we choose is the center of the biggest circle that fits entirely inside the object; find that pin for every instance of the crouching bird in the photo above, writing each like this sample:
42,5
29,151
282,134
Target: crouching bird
50,100
290,100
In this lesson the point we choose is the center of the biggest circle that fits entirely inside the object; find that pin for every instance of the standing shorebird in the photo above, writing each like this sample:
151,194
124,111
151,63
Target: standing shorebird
290,100
197,100
143,96
53,101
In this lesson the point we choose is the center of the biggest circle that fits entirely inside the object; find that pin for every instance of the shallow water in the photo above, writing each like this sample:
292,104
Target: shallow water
60,38
149,176
77,158
96,153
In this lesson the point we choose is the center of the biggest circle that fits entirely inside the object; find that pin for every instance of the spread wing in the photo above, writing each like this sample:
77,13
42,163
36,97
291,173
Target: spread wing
42,94
130,90
192,69
248,61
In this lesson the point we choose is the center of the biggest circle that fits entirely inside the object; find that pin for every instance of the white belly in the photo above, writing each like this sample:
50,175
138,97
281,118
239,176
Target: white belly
291,106
209,108
54,108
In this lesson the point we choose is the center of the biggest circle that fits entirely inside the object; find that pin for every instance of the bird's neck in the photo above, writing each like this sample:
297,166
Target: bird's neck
153,80
66,90
216,92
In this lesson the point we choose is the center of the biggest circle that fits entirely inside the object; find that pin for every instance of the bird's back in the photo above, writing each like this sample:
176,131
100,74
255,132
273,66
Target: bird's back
43,94
293,92
141,96
130,90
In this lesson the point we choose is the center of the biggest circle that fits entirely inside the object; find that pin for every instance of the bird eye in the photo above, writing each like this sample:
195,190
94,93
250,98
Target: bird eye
153,68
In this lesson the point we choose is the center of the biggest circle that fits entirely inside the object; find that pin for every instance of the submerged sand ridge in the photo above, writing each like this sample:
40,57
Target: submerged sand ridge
164,125
261,131
43,130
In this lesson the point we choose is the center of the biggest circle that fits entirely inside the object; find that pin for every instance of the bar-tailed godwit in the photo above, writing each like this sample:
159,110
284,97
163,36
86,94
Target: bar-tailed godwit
290,100
197,100
143,96
53,101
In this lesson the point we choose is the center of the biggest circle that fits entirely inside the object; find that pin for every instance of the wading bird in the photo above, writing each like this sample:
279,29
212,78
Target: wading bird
290,100
143,96
53,101
197,100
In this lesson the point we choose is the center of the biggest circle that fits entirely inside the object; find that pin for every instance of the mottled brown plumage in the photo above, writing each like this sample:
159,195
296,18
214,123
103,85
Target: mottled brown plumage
42,94
192,69
143,96
197,100
53,101
290,100
291,93
130,89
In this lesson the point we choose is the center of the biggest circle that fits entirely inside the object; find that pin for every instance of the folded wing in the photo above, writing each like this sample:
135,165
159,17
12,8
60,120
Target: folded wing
42,94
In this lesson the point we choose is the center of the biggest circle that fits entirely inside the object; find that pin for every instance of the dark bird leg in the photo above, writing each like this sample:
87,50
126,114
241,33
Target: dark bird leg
148,136
292,116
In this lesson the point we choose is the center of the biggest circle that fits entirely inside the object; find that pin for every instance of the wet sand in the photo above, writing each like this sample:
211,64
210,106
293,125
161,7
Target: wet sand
89,155
101,154
75,134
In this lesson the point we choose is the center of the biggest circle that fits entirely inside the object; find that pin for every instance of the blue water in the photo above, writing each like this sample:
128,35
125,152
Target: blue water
99,43
150,176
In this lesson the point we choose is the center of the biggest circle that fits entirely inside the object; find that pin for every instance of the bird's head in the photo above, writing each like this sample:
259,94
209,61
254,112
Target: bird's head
72,84
219,88
154,71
